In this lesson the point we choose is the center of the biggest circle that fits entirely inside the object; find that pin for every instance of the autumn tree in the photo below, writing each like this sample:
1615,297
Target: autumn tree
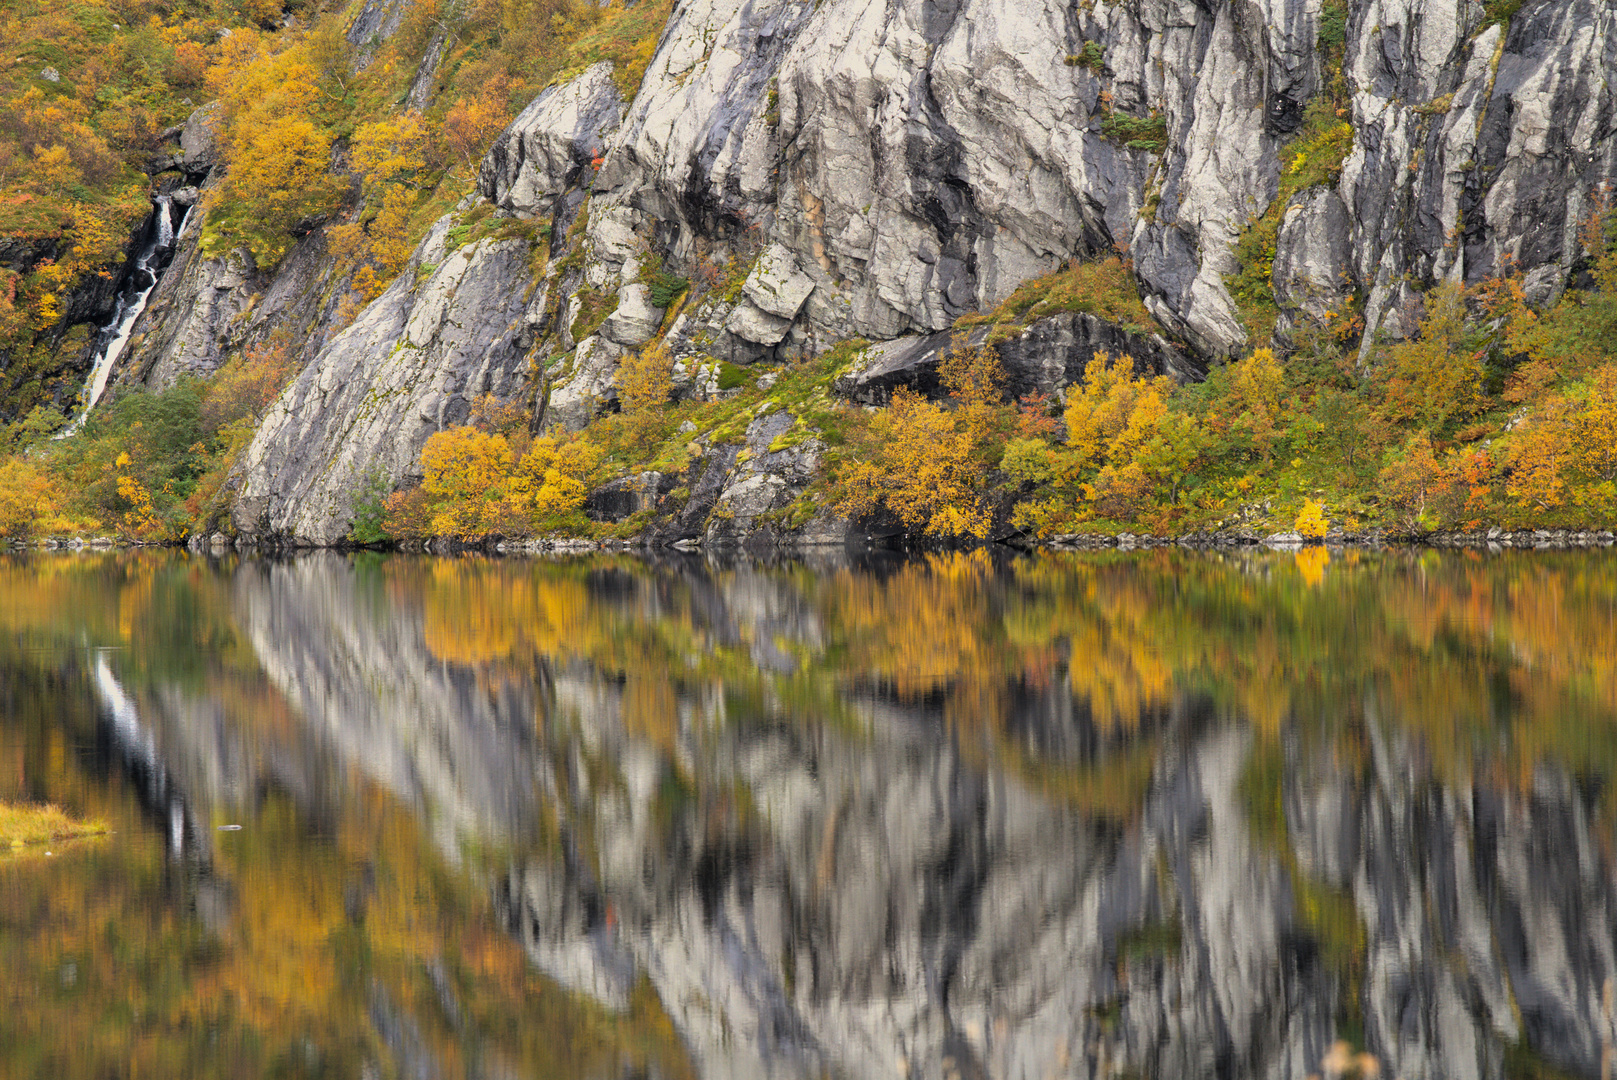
471,123
917,461
645,379
1127,450
1438,376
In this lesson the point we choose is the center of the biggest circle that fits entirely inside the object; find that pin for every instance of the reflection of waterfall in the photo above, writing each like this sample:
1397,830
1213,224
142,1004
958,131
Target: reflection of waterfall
139,749
137,290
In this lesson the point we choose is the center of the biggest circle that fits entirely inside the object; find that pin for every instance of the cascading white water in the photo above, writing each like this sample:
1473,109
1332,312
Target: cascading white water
131,302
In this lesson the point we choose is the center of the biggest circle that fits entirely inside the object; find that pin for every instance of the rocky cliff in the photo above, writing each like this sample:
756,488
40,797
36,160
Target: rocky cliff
880,171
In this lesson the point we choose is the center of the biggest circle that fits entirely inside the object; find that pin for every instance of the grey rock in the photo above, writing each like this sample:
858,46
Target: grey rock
377,21
1313,266
776,285
584,383
551,142
199,140
751,323
619,499
635,320
409,366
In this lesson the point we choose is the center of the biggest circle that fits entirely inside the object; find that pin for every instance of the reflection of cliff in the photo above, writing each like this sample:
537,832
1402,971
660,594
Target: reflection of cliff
1489,920
353,664
879,886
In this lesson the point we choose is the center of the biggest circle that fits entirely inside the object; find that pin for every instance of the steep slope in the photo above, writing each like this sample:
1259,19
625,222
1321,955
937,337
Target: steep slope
884,170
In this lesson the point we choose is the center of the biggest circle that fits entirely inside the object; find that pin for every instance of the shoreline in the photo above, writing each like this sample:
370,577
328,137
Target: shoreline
1493,538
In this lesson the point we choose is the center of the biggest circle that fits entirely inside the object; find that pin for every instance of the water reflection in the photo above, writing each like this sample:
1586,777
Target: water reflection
1156,815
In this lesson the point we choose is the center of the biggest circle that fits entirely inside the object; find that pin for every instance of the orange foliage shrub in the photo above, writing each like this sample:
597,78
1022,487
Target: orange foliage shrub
471,124
1565,452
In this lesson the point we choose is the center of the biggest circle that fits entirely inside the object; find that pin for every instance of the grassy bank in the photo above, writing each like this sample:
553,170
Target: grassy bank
22,825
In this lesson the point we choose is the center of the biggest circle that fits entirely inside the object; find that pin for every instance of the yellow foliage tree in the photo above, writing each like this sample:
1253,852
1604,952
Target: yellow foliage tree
1311,522
30,501
645,379
1259,386
466,473
1565,450
555,473
918,462
1438,376
471,123
390,151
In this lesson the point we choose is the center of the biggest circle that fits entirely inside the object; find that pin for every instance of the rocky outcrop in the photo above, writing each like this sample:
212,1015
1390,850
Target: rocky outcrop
412,364
1045,357
552,144
1476,149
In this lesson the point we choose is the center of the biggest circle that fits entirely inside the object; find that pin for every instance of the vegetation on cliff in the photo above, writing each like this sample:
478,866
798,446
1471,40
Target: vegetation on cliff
1496,411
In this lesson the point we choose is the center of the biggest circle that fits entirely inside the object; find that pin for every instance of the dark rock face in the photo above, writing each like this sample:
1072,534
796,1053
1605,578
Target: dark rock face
626,497
1045,358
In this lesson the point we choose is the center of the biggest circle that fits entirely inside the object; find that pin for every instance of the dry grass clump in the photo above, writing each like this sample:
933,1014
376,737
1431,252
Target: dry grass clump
21,825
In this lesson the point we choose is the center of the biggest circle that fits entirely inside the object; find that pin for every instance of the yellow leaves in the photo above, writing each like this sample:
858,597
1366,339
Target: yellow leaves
278,149
1311,563
918,463
275,168
478,483
53,165
389,151
471,123
1112,414
558,471
31,502
1258,384
1438,376
1311,523
465,470
1125,445
140,520
646,379
1565,450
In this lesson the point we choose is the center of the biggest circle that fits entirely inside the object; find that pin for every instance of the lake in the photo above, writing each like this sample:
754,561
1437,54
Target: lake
1158,814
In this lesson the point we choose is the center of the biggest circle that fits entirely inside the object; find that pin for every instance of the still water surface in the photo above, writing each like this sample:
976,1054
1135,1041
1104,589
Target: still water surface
1156,815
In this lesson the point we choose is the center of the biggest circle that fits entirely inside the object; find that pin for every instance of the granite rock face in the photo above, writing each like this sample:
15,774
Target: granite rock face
881,170
410,365
552,143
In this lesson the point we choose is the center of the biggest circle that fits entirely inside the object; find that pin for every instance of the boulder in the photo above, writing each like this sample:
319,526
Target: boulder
635,320
776,284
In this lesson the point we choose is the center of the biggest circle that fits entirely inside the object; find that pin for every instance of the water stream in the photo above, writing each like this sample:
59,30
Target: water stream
137,290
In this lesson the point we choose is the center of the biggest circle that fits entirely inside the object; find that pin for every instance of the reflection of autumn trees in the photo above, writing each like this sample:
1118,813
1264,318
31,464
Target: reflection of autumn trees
1507,657
1493,663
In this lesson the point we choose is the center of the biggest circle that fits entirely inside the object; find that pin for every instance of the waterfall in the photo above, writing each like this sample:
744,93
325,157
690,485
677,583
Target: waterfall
132,299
